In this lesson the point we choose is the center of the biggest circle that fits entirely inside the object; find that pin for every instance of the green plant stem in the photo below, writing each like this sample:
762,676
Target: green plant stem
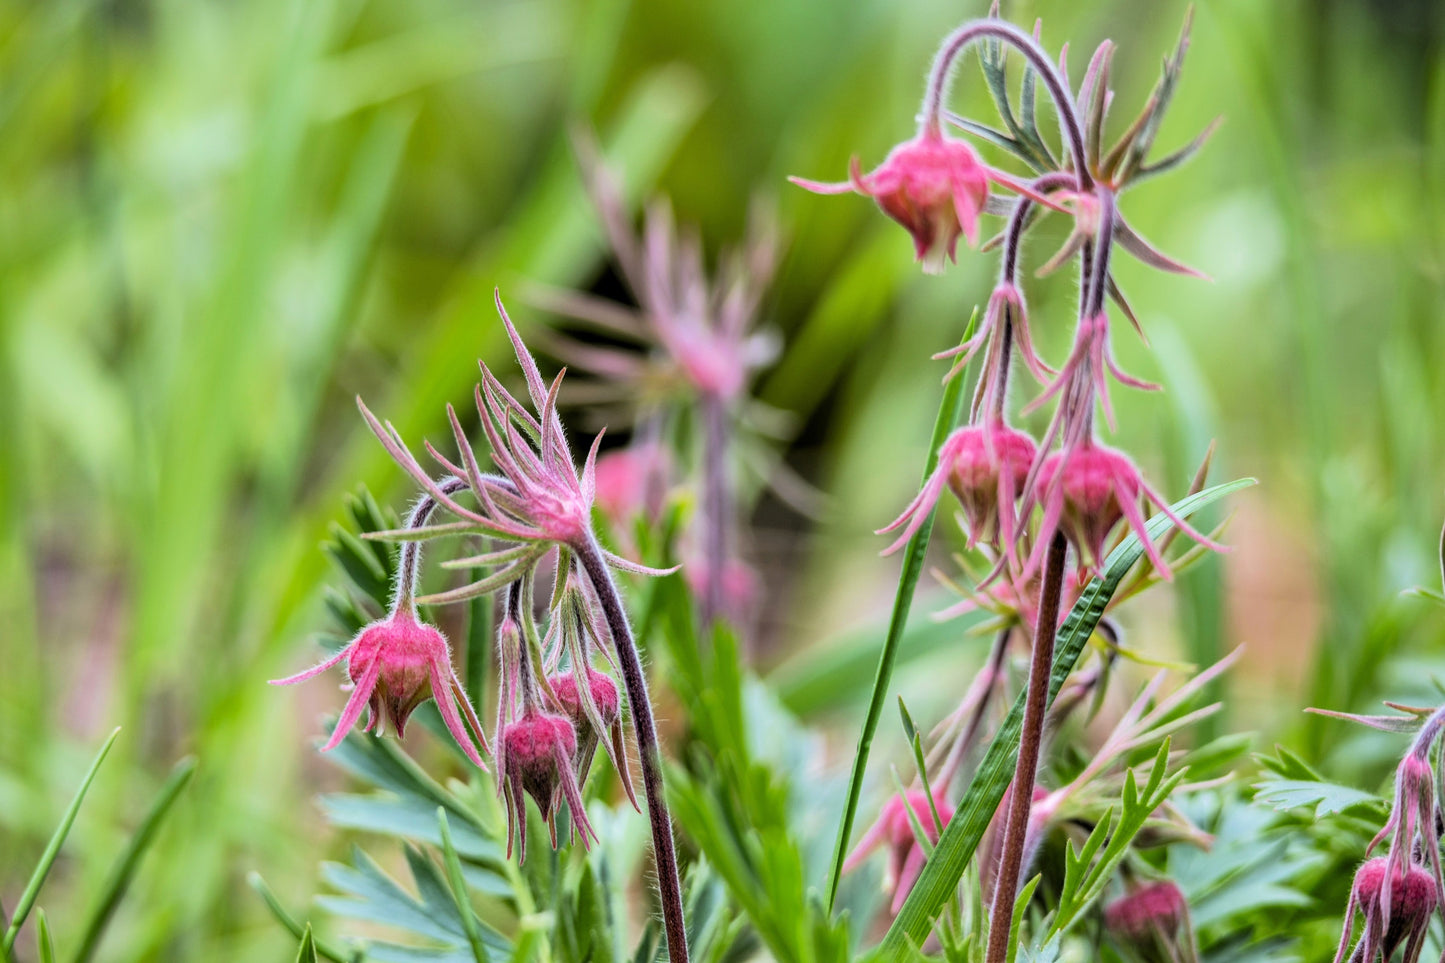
1021,799
664,853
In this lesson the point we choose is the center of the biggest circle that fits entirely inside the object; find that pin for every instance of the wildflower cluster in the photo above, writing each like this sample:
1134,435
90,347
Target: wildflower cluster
1036,508
555,704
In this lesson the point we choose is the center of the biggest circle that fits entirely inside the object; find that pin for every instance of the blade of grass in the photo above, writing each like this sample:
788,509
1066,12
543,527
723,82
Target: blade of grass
332,953
960,838
459,891
948,413
52,850
120,876
306,952
44,945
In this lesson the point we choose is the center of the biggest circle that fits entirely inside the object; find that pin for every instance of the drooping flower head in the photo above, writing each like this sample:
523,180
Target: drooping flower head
893,830
985,466
1086,492
535,757
934,185
1151,922
395,665
1396,902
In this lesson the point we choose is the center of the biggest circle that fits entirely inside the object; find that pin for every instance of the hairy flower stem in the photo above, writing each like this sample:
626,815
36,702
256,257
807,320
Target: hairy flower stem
717,508
408,566
1057,86
669,885
1031,740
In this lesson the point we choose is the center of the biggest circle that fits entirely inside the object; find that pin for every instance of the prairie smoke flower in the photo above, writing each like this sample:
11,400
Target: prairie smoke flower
985,466
538,502
534,755
894,830
596,715
1396,901
935,186
1152,922
395,665
1005,305
1085,492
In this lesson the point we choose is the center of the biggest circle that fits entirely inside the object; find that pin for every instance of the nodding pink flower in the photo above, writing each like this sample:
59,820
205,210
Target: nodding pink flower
894,830
394,666
985,466
1085,492
935,186
631,482
535,757
1397,902
1152,920
742,589
606,727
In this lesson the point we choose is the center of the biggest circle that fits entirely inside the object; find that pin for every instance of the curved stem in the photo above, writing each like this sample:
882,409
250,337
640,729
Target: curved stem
1058,88
669,885
1098,281
408,566
1022,796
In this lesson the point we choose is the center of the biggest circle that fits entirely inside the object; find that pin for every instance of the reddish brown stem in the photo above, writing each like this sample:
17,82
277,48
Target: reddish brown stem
669,886
1022,796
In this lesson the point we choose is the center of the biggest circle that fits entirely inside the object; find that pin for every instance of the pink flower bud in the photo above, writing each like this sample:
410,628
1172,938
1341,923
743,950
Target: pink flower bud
1150,911
1397,903
603,691
394,666
934,185
631,481
1085,492
985,466
536,758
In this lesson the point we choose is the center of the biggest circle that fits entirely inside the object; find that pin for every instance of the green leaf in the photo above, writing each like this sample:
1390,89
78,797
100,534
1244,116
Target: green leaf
1325,798
52,850
123,871
44,945
306,952
1020,904
960,838
948,414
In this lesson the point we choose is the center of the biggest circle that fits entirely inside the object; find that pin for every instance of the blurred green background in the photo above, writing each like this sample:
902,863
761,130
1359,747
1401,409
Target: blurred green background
219,221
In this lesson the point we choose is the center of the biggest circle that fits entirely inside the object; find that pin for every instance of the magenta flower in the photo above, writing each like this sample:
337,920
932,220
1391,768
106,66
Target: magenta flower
1089,363
894,830
935,186
985,466
394,666
535,756
1153,921
1006,297
596,714
1397,902
1085,492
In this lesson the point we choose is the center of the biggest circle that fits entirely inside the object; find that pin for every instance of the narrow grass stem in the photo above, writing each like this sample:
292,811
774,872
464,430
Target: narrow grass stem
669,884
1031,740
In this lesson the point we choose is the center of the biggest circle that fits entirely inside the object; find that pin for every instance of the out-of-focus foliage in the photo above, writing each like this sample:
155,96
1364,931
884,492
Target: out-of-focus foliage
220,220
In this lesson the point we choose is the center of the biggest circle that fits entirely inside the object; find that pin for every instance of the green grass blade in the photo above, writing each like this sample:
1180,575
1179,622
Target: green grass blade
44,945
459,891
52,850
961,837
120,876
306,952
332,953
948,412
